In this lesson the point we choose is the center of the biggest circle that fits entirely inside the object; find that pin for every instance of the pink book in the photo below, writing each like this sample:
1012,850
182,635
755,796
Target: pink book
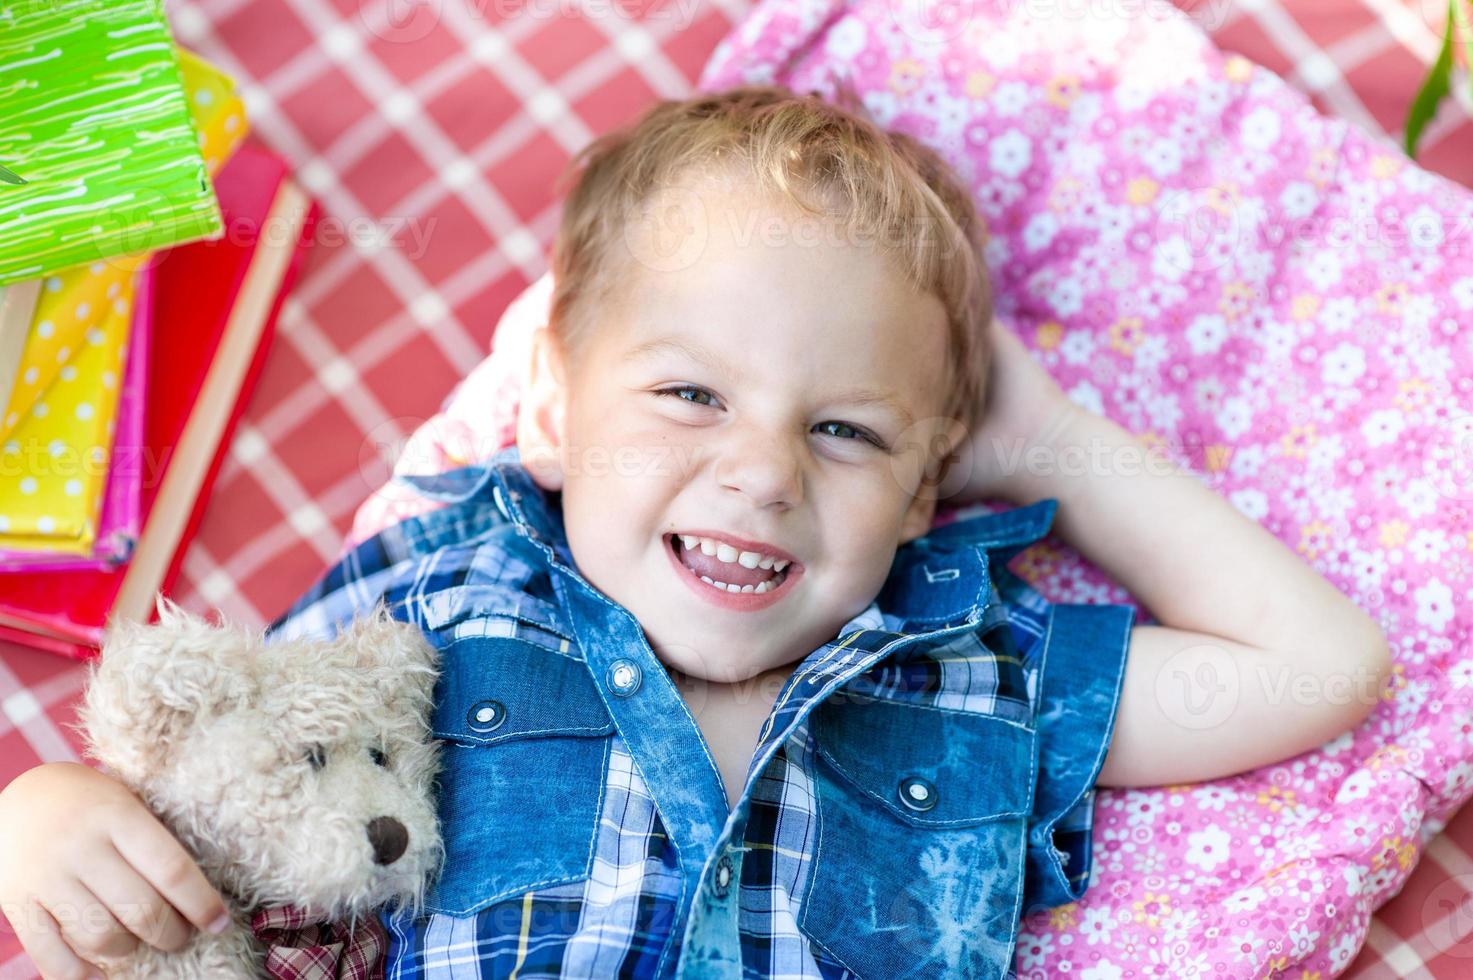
118,523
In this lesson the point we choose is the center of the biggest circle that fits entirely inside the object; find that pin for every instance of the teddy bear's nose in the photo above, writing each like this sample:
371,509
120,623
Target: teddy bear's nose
389,839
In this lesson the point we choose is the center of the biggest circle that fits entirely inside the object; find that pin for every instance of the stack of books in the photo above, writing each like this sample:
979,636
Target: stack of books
145,251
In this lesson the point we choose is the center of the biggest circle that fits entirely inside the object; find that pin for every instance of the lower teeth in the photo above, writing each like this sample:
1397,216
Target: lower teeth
766,586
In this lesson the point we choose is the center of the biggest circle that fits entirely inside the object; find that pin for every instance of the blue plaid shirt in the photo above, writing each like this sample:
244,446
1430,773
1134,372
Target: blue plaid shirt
924,778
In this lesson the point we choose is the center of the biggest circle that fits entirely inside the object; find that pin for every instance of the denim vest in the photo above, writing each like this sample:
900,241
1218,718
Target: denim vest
933,823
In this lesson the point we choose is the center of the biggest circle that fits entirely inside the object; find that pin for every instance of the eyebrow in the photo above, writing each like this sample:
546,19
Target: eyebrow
859,396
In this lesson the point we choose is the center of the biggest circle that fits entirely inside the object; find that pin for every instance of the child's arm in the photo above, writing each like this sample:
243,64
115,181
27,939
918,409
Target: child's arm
1257,658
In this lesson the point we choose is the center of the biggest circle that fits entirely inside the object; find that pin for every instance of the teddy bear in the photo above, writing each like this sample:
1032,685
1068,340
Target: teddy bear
299,773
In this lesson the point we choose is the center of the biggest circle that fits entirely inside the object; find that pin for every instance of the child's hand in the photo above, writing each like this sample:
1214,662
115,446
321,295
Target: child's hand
1025,408
86,872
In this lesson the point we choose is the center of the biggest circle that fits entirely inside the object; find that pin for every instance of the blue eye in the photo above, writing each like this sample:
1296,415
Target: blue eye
848,431
678,392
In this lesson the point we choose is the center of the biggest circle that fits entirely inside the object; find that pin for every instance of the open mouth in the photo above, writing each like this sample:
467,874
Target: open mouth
724,568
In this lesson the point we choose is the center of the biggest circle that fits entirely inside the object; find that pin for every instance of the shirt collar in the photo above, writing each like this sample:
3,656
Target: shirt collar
918,589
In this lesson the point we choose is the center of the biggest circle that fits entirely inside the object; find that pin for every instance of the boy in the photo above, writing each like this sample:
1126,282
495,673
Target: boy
714,701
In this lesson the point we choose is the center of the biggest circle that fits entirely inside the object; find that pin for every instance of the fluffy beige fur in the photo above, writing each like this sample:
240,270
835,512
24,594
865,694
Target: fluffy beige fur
268,760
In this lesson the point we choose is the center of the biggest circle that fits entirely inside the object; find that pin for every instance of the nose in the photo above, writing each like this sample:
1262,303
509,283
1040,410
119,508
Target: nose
388,838
763,468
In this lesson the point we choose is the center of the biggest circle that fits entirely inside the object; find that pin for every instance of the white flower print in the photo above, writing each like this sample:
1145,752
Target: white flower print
1040,230
1428,545
1011,153
1143,809
1244,900
1418,498
1103,970
1234,417
1250,503
1343,365
1461,675
1010,98
1172,258
1206,333
1434,604
847,38
1208,848
1035,951
1424,228
1261,128
1298,200
1338,314
1382,427
1462,293
1368,567
1096,926
1356,787
1163,157
1077,347
1247,461
1087,396
1150,353
1325,269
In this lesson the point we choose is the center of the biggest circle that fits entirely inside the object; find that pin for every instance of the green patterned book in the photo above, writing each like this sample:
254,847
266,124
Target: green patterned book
95,127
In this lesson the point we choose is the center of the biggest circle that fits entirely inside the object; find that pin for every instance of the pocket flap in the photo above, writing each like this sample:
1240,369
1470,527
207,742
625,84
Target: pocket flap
928,766
493,688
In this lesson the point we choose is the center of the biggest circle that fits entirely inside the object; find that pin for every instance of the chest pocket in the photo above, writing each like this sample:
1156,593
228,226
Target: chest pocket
524,761
922,829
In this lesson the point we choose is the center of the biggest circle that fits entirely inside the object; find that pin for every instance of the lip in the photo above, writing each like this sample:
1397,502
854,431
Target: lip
735,601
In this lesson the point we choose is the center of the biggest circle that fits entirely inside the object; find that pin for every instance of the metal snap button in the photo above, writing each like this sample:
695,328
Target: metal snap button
917,793
721,877
624,677
486,716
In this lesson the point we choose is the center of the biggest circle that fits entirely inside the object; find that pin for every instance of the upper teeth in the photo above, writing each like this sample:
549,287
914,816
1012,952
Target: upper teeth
725,552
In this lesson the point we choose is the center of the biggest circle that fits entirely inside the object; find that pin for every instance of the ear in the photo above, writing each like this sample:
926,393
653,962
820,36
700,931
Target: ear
918,516
543,412
154,682
394,653
921,512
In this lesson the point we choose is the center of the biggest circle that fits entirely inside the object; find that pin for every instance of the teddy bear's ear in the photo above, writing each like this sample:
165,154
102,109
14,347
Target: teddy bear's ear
153,682
392,649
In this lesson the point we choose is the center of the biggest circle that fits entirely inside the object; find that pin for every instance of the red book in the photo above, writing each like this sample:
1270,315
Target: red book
215,304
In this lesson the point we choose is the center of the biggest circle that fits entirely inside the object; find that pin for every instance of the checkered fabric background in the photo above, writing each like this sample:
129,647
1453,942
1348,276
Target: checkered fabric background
431,130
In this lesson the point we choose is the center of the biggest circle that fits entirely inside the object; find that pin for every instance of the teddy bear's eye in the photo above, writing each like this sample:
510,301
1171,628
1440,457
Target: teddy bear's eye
378,757
316,757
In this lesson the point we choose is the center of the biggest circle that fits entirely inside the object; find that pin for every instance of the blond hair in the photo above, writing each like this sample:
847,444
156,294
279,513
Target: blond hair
804,148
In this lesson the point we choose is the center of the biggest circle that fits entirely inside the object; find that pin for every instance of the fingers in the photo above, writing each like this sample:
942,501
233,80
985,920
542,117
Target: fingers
88,927
167,867
54,959
138,906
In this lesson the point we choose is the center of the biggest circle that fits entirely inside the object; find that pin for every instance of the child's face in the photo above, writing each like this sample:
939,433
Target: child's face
778,360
